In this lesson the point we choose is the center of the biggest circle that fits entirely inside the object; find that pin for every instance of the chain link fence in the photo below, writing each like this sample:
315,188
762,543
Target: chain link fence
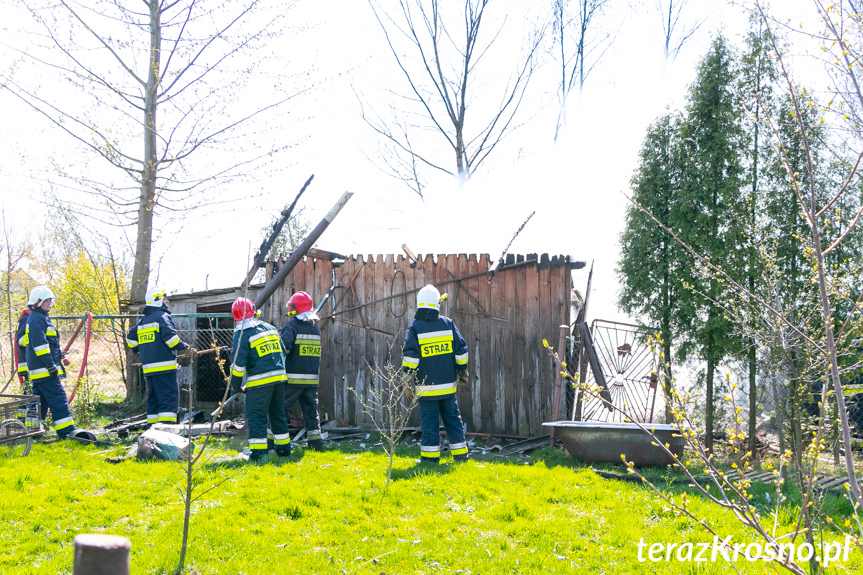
106,374
774,409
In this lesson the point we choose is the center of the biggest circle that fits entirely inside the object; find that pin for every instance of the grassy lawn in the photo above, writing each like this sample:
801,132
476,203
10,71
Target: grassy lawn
330,512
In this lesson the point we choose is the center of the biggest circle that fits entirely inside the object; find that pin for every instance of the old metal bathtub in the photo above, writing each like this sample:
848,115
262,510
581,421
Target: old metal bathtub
595,441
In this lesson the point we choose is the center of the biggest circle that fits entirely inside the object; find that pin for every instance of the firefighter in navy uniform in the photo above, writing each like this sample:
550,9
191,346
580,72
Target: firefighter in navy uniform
301,339
258,360
435,355
155,339
45,362
29,414
21,349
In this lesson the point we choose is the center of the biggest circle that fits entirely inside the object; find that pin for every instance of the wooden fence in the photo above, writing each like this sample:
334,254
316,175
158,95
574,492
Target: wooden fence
503,321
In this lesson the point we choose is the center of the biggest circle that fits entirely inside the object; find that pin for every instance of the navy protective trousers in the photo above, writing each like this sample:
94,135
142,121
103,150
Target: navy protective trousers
163,397
431,412
307,395
264,403
52,396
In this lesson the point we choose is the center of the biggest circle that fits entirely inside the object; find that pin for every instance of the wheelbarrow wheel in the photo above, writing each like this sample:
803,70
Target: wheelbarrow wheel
14,440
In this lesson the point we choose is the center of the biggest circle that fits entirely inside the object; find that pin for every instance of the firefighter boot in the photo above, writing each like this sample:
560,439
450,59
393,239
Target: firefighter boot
283,450
316,444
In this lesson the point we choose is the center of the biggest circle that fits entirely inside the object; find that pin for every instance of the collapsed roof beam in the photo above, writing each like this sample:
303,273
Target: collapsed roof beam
300,252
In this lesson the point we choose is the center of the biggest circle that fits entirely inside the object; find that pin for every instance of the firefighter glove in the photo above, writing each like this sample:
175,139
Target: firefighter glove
52,371
236,384
407,382
463,378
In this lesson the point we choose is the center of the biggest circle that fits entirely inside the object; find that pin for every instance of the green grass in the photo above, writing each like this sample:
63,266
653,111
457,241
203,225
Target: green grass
330,512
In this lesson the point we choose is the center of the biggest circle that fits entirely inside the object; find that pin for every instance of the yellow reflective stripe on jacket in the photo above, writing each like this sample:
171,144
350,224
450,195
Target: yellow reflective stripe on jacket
266,342
173,341
42,372
22,367
50,331
265,378
461,359
303,378
147,332
308,345
42,349
435,390
159,366
410,362
434,335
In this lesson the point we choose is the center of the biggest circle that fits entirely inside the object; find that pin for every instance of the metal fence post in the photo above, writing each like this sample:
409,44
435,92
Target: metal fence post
99,554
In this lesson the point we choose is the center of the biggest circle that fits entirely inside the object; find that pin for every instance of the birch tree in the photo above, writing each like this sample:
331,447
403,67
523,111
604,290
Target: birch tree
448,55
676,30
157,93
581,38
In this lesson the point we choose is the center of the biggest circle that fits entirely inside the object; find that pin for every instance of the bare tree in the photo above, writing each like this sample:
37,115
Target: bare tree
14,250
676,32
389,403
170,73
441,55
840,37
590,43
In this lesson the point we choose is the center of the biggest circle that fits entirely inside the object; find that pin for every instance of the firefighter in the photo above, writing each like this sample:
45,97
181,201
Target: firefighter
258,363
21,348
301,339
435,357
29,414
155,339
45,362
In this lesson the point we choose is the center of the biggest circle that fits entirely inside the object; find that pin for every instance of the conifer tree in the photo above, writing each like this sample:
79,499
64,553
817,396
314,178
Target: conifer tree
710,205
650,288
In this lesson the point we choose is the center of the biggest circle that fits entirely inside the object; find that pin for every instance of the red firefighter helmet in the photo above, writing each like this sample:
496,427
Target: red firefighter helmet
300,302
243,309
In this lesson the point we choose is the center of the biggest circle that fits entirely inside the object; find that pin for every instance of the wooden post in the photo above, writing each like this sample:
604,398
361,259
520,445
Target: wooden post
555,400
98,554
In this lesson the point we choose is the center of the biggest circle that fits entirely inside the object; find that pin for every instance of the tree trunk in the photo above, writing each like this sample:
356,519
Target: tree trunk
753,398
832,360
708,417
147,200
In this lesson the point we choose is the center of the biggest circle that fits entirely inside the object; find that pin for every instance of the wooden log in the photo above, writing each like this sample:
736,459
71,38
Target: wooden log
100,554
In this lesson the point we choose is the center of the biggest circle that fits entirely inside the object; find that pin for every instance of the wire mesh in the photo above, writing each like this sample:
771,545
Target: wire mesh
106,374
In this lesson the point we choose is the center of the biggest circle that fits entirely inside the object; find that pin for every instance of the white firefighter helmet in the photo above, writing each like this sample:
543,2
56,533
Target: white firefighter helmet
155,296
428,298
39,294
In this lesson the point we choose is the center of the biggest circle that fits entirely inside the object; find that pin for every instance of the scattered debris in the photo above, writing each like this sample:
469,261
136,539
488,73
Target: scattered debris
154,443
226,427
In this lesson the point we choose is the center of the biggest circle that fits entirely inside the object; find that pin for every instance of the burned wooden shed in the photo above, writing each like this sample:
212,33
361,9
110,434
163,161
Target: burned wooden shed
503,318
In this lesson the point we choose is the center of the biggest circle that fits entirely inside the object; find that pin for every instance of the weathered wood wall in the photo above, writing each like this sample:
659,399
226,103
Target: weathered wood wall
504,322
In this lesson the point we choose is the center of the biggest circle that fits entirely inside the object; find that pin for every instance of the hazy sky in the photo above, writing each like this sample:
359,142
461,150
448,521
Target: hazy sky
573,185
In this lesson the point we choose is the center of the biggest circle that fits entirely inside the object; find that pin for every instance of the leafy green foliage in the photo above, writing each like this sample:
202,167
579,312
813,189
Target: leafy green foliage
80,285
